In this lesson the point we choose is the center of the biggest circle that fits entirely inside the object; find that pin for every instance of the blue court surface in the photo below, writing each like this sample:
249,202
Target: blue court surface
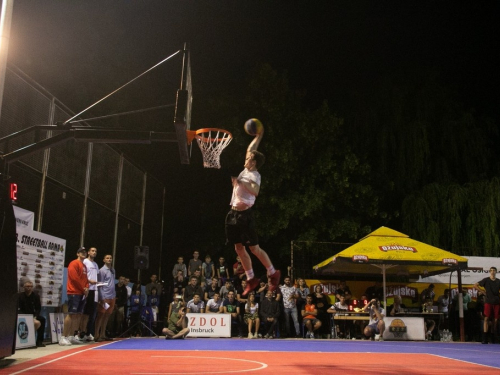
476,353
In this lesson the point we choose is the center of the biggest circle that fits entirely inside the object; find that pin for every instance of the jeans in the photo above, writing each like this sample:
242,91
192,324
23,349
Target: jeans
294,314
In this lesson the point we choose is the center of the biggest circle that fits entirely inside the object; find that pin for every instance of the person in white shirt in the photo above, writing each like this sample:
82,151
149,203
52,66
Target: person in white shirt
87,324
214,305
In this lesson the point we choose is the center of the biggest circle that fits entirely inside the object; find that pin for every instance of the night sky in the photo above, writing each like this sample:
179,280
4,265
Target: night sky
82,50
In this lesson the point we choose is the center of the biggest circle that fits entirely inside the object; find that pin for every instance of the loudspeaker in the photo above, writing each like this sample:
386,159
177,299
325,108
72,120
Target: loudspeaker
141,257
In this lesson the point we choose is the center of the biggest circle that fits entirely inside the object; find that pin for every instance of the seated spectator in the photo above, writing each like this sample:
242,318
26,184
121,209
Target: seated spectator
192,289
222,272
29,303
175,305
397,307
177,325
269,313
343,290
208,270
214,305
251,316
376,325
231,306
341,306
154,302
196,305
427,293
238,272
309,316
260,291
180,283
211,289
180,266
228,287
375,291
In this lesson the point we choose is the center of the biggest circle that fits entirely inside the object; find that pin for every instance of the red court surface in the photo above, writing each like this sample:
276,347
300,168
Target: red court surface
90,360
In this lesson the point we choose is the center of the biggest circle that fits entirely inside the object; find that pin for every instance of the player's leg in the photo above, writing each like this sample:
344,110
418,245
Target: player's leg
274,275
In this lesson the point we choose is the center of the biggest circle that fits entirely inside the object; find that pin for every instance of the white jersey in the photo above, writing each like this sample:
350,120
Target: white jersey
92,270
240,194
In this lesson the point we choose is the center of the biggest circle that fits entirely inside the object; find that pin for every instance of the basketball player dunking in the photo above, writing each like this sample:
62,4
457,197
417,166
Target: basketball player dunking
240,223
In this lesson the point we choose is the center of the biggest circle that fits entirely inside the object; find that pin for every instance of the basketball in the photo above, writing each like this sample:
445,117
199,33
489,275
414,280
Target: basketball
253,126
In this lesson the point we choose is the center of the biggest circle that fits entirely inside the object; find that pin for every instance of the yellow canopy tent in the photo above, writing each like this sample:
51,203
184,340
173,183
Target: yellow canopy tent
388,252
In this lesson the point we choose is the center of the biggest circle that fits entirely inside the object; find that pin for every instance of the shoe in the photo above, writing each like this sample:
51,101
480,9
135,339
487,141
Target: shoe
250,336
267,336
75,340
63,341
259,336
40,345
380,338
88,338
274,280
251,285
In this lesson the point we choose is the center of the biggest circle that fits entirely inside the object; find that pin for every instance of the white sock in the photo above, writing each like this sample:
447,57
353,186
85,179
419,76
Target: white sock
250,274
271,270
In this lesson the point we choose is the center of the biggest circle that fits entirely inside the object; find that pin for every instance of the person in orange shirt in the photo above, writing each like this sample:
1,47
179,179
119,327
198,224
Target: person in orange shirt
77,290
309,316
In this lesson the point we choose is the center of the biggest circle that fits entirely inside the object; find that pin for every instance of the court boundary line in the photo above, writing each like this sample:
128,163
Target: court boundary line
468,362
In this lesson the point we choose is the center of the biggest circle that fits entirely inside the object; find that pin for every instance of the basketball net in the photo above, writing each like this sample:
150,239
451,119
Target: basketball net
212,142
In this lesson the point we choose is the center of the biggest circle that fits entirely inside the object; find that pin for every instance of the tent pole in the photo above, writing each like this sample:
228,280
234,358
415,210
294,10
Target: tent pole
383,285
460,306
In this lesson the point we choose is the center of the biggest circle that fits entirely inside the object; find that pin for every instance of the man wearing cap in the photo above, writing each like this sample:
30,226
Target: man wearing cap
77,290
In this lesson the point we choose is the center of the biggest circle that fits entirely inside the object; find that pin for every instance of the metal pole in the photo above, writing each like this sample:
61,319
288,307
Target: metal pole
143,205
117,206
161,231
45,168
460,306
291,260
5,21
88,173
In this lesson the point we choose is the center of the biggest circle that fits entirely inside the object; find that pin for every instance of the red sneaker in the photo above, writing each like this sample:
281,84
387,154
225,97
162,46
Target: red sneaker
274,281
251,285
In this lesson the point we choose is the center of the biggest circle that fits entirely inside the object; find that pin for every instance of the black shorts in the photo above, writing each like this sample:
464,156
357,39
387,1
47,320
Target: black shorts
240,228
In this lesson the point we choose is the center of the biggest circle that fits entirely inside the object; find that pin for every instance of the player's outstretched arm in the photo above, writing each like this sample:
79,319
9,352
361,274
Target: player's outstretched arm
255,143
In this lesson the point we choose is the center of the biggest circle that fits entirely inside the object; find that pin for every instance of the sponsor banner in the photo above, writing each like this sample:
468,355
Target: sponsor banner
24,218
40,258
209,325
404,328
25,332
469,277
56,326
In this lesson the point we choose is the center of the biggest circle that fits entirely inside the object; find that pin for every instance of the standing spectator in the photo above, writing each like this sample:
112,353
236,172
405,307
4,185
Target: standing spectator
175,305
196,305
136,303
87,325
226,288
490,286
179,283
29,303
322,303
269,313
107,297
115,323
231,306
77,289
180,266
192,289
309,315
208,269
303,292
154,284
290,296
251,316
194,264
222,271
443,306
153,301
214,305
238,272
211,289
129,294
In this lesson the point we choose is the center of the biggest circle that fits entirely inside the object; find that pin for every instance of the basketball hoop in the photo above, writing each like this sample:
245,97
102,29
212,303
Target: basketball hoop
212,142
